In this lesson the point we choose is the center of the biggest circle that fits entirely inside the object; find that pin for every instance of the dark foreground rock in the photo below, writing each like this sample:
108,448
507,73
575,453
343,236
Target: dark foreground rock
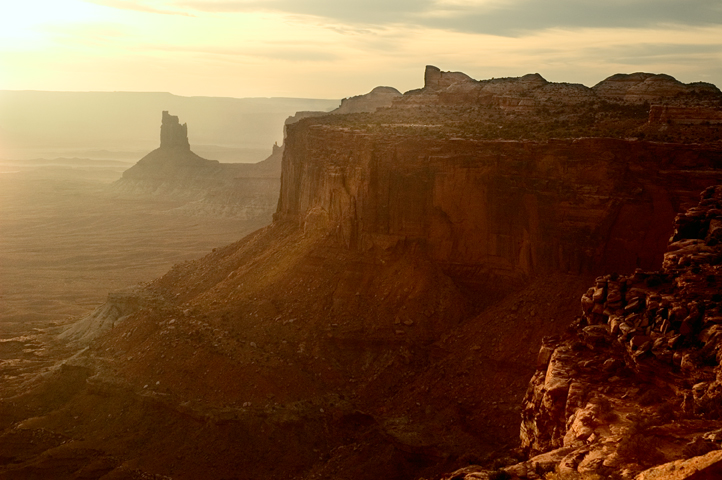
633,389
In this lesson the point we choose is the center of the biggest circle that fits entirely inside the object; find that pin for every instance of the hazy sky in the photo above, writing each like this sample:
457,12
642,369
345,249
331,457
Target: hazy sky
339,48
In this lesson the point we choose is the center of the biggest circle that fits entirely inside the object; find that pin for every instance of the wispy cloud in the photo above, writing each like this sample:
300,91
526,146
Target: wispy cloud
498,17
137,6
285,52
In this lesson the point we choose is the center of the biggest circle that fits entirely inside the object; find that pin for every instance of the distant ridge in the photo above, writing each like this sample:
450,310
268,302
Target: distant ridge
37,124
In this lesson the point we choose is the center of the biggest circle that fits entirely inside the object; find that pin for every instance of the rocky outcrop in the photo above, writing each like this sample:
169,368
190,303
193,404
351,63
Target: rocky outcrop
377,98
532,92
634,389
647,87
117,307
203,187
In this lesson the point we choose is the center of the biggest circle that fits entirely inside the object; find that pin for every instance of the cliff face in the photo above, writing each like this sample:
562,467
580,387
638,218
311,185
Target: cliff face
486,209
505,209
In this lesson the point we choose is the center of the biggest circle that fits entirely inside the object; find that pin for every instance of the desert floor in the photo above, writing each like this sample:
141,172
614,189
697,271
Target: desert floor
66,241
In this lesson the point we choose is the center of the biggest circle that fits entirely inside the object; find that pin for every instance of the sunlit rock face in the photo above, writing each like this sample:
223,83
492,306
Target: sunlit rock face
639,373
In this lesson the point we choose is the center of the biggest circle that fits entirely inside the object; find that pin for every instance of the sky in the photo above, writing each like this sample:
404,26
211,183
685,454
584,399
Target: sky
340,48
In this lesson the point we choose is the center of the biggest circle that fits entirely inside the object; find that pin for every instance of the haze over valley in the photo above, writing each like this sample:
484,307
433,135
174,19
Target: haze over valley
124,125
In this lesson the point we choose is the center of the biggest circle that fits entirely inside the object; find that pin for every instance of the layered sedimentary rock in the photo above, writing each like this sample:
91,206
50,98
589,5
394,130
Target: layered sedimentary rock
533,90
204,187
485,208
666,114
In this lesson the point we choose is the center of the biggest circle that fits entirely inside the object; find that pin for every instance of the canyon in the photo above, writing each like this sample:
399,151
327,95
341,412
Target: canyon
388,321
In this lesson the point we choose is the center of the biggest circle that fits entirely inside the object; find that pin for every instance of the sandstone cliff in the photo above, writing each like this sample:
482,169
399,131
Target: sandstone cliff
386,324
489,209
202,187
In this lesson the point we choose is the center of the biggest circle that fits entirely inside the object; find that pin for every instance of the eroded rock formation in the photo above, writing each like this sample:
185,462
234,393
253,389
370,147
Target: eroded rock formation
200,186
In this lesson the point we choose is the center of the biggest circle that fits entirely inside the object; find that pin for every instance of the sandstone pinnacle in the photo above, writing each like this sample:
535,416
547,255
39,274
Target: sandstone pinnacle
172,133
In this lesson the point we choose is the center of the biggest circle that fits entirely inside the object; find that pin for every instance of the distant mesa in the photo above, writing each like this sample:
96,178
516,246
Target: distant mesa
640,87
203,187
379,97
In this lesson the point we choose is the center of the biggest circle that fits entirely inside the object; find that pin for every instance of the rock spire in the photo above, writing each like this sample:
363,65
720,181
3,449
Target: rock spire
172,133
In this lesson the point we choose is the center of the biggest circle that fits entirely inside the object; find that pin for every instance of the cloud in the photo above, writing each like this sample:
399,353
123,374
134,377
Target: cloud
347,11
498,17
136,6
285,52
520,17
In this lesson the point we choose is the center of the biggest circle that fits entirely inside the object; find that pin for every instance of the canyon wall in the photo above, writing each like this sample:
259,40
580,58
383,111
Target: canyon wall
500,209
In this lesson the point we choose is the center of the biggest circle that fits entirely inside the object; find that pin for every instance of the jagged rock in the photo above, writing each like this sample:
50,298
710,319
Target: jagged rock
666,341
705,467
